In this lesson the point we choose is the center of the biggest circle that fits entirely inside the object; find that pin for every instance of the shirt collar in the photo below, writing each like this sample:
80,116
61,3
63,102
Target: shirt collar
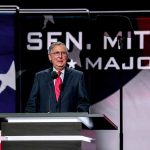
62,71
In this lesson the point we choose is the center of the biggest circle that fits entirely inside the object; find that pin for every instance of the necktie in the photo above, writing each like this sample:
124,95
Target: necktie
58,83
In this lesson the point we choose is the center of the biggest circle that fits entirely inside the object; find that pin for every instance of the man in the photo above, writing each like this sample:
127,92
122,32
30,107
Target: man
72,94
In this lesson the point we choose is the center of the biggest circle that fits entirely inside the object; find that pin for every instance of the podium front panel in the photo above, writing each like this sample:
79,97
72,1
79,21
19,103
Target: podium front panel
60,131
41,145
46,128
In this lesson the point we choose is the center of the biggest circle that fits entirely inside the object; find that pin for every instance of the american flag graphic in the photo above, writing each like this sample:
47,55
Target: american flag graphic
7,63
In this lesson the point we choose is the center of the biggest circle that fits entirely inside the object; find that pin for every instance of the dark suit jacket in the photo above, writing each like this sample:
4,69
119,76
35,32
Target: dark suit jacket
73,97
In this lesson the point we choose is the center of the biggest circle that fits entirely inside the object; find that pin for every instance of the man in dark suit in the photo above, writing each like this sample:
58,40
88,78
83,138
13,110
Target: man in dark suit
73,94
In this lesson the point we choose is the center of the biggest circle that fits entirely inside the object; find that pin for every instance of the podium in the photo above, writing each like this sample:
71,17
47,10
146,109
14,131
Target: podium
49,131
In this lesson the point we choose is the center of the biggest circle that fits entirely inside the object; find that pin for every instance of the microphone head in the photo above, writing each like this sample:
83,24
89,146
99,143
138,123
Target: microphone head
54,74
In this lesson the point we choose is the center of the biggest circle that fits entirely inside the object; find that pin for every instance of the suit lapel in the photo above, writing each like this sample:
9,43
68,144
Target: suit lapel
66,80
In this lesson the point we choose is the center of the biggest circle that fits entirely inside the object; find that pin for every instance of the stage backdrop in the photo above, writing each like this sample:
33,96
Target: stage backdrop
111,48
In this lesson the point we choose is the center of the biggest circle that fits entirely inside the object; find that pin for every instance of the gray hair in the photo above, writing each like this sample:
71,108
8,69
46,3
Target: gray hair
55,44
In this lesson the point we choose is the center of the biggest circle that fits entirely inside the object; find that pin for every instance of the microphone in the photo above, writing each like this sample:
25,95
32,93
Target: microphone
54,74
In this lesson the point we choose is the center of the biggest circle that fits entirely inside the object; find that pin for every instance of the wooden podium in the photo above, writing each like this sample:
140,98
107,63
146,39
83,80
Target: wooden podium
49,131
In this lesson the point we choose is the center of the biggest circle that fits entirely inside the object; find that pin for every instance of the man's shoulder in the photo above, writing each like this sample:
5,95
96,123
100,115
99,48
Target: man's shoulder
44,71
74,71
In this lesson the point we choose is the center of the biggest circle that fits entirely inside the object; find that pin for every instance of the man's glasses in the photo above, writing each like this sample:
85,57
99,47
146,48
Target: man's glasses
57,54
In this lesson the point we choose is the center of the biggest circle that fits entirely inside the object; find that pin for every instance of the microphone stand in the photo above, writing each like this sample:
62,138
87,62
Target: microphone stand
54,76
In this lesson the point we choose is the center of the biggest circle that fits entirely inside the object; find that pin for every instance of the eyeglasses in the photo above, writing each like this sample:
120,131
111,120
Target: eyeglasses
57,54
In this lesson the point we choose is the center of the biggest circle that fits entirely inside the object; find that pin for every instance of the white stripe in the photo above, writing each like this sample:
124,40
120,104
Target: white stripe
42,119
47,138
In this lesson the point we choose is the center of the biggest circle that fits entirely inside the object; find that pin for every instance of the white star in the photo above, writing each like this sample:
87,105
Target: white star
72,63
74,54
8,79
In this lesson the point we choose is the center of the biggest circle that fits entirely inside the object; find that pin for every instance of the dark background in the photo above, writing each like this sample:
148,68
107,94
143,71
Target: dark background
93,5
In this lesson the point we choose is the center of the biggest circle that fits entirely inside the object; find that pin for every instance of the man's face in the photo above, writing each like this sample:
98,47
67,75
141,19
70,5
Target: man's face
58,56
